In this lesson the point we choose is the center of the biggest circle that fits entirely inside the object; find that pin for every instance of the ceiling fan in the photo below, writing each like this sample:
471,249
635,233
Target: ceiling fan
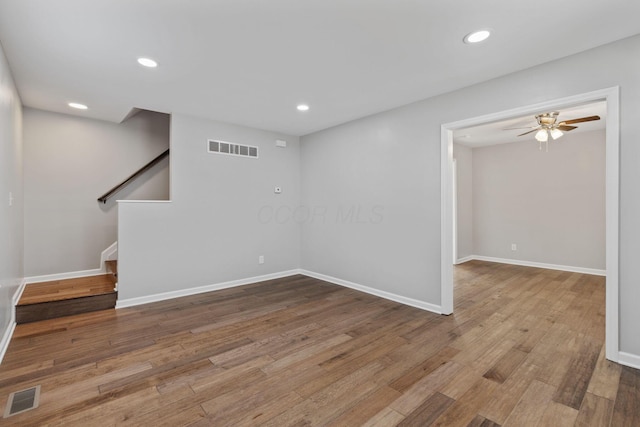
548,125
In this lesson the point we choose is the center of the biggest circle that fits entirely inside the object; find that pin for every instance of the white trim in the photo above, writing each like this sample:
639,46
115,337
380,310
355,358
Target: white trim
465,259
62,276
454,219
18,293
8,333
628,359
446,212
130,302
612,322
109,254
6,338
583,270
612,97
382,294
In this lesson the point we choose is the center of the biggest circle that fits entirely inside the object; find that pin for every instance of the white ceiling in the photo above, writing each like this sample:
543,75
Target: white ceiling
251,61
501,132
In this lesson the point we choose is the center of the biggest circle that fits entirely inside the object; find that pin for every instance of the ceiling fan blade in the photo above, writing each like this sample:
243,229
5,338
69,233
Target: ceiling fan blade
580,120
566,128
522,134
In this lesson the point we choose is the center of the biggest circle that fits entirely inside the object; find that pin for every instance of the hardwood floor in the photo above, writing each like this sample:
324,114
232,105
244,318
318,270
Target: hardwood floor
524,348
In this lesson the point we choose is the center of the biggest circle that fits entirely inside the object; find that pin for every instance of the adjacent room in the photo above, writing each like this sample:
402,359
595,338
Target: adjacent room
537,203
321,213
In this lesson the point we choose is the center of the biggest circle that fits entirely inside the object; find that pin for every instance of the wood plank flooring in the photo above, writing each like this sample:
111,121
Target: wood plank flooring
524,348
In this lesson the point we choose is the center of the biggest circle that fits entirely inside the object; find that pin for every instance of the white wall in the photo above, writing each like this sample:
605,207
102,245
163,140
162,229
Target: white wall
464,200
221,217
69,162
552,205
393,159
11,220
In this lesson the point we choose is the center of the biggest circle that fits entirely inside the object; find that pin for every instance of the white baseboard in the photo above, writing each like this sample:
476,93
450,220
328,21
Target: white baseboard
109,254
130,302
6,337
464,259
569,268
628,359
8,333
382,294
62,276
18,293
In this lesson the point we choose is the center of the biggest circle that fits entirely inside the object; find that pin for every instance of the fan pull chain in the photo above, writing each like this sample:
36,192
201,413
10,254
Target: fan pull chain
547,145
540,143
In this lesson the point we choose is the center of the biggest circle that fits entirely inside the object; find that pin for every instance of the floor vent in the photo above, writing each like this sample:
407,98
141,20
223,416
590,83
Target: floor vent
22,401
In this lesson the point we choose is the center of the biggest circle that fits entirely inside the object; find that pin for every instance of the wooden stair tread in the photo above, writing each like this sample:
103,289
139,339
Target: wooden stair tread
58,290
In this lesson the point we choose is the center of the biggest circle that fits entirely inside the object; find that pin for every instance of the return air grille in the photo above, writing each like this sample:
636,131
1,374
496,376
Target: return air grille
232,149
21,401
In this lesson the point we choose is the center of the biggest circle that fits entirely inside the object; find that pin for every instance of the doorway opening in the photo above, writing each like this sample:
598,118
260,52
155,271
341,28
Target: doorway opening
611,97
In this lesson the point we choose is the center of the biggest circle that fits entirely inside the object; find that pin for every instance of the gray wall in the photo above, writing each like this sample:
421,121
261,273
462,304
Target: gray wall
393,159
382,168
11,219
68,163
464,200
223,214
552,205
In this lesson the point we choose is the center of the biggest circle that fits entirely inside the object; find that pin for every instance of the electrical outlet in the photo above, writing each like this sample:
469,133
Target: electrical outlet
10,198
514,247
261,259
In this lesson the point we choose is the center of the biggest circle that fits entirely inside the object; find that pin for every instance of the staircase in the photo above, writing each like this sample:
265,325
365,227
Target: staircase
59,298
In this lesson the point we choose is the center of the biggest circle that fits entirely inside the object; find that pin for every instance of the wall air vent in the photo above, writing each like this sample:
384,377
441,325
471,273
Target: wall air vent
232,149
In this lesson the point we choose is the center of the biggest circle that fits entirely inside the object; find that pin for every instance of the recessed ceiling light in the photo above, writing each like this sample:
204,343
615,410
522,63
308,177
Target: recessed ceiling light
147,62
77,106
477,36
303,107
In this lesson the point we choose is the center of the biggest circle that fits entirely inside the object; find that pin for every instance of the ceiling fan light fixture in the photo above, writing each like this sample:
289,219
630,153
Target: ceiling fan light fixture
556,133
550,126
542,135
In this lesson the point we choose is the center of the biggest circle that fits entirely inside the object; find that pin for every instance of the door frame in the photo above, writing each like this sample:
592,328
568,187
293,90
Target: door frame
612,97
454,211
